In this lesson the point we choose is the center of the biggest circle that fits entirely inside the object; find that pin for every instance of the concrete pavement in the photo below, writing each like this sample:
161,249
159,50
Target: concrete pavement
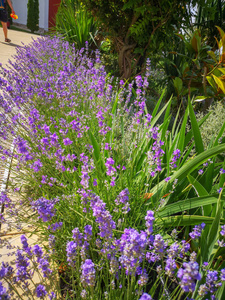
7,50
11,230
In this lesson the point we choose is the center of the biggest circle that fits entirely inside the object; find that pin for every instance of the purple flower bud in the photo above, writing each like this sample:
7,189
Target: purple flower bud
197,231
149,221
67,142
145,296
188,274
71,252
41,291
88,273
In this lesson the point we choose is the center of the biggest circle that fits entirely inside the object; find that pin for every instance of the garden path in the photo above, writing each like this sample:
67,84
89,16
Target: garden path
10,234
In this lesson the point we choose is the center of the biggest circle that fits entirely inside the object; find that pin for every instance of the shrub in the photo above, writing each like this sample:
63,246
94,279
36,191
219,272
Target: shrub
211,128
33,15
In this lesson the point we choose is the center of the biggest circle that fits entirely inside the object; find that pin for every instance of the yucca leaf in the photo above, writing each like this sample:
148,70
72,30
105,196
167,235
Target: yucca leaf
187,204
186,220
201,191
158,104
95,145
187,168
194,124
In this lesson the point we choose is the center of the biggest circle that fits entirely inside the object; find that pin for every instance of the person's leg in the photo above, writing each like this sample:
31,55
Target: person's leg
4,26
5,30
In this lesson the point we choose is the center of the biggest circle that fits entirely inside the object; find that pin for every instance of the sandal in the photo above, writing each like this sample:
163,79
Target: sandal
7,40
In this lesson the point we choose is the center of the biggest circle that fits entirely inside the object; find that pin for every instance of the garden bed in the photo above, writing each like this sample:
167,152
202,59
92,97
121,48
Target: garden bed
122,205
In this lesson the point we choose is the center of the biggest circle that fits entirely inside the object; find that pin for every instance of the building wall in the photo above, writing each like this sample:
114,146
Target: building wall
20,8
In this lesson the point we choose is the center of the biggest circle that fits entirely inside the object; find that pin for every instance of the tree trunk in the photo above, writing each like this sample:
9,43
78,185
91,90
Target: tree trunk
125,60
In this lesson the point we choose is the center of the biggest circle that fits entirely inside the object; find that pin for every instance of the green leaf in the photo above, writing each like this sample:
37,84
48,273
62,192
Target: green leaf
219,134
212,54
158,104
212,83
187,204
181,142
201,191
162,188
178,84
220,83
195,128
189,135
200,98
95,146
209,239
185,220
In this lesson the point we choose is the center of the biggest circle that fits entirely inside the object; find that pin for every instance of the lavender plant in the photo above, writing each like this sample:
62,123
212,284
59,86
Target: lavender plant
85,160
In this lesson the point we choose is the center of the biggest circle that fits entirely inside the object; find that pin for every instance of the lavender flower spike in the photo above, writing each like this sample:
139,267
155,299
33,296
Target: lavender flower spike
145,296
188,275
149,221
88,273
197,231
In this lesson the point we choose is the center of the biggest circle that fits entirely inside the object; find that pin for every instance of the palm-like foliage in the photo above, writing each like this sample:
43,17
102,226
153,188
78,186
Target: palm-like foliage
75,23
208,18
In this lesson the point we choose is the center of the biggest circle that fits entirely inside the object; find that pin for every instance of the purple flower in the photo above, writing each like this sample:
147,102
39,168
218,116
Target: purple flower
173,251
52,296
184,248
222,171
222,232
36,166
44,266
67,142
170,266
41,291
132,245
22,264
143,280
123,198
219,190
26,247
188,274
110,170
176,156
51,241
71,252
6,270
197,231
45,208
3,292
37,251
159,244
88,273
211,281
107,146
200,172
87,232
222,274
55,226
114,265
145,296
149,221
103,217
77,236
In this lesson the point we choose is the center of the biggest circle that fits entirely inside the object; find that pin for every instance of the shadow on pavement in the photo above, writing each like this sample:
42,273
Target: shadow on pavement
10,44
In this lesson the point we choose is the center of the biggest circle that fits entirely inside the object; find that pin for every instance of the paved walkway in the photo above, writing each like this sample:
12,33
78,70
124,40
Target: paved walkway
7,50
9,232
